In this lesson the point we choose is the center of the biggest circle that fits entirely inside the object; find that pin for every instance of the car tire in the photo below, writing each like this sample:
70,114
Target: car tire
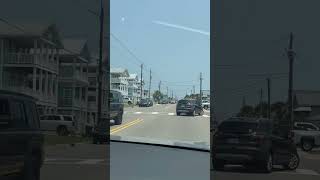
307,145
267,164
193,113
294,162
217,165
118,120
62,131
178,114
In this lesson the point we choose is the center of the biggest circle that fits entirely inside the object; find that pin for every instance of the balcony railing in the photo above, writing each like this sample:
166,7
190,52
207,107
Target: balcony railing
33,59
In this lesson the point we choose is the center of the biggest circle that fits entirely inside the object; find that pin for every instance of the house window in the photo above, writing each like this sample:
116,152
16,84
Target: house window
67,92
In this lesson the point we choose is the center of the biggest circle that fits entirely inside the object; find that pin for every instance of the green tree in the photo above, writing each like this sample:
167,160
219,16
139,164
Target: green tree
157,96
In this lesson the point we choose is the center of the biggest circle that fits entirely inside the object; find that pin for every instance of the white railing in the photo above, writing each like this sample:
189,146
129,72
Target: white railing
26,58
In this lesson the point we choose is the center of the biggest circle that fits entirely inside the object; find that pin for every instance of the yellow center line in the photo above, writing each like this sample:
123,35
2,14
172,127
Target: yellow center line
113,129
125,126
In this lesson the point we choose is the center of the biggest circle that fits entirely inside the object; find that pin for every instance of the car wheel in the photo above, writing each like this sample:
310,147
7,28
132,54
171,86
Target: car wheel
307,145
118,120
268,164
62,131
193,113
129,103
178,114
293,161
217,165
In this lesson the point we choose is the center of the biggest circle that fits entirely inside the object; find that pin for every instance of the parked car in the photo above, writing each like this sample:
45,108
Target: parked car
172,102
163,101
62,124
100,132
206,104
116,107
127,100
21,140
307,135
252,141
191,107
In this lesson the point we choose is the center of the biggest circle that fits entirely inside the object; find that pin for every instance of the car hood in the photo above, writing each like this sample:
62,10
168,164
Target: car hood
197,145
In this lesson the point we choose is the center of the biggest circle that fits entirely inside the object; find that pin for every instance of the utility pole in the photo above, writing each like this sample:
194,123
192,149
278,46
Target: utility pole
100,63
269,103
160,86
167,91
261,107
243,101
194,89
141,83
201,86
171,94
150,84
290,54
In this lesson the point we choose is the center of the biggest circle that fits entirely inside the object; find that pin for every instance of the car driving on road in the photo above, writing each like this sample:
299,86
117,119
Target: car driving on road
21,140
252,141
145,103
116,107
307,135
205,104
189,106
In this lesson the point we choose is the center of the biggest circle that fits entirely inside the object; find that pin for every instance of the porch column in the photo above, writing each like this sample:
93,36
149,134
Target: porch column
41,60
52,83
40,81
34,79
46,83
57,84
1,61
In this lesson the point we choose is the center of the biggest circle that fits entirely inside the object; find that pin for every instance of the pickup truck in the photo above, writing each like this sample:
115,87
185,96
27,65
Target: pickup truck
205,104
307,135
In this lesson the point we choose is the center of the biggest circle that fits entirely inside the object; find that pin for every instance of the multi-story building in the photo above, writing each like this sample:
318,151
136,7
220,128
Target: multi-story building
73,81
93,73
133,87
119,80
29,59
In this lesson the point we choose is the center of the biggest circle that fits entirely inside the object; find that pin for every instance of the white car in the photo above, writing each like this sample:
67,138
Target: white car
127,100
307,135
62,124
206,104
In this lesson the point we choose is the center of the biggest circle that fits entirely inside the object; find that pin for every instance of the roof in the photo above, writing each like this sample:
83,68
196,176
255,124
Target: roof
307,97
11,93
117,70
23,29
74,45
303,109
133,76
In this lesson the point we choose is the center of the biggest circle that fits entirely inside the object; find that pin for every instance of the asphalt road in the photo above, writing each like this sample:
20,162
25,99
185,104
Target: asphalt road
309,169
161,122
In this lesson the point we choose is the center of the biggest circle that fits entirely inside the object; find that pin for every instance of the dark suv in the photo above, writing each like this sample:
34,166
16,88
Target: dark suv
21,140
189,106
252,141
145,103
116,106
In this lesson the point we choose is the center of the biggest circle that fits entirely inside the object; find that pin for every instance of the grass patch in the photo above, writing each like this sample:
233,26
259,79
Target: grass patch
55,139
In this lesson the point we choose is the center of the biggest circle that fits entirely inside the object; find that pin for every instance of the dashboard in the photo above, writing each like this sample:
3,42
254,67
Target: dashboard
131,161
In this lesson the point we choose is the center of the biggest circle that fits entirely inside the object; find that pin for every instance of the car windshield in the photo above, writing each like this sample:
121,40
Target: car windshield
116,97
155,65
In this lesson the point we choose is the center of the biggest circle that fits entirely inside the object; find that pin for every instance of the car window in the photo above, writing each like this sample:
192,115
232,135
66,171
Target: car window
67,118
238,127
307,126
18,115
57,118
32,116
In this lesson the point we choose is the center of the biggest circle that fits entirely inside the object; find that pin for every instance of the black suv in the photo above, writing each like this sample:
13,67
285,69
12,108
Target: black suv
116,106
21,141
252,141
145,103
101,131
189,106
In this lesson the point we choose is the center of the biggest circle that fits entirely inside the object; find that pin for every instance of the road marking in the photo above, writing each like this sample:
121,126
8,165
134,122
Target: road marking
119,127
155,113
138,112
302,171
125,126
171,114
205,115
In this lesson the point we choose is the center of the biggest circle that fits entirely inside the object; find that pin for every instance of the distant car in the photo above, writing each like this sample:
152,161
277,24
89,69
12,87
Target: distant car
307,135
252,142
21,140
127,100
172,102
100,132
191,107
116,106
164,101
206,104
145,103
62,124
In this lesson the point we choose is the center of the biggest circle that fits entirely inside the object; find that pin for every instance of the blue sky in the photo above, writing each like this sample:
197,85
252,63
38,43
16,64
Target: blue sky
170,37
